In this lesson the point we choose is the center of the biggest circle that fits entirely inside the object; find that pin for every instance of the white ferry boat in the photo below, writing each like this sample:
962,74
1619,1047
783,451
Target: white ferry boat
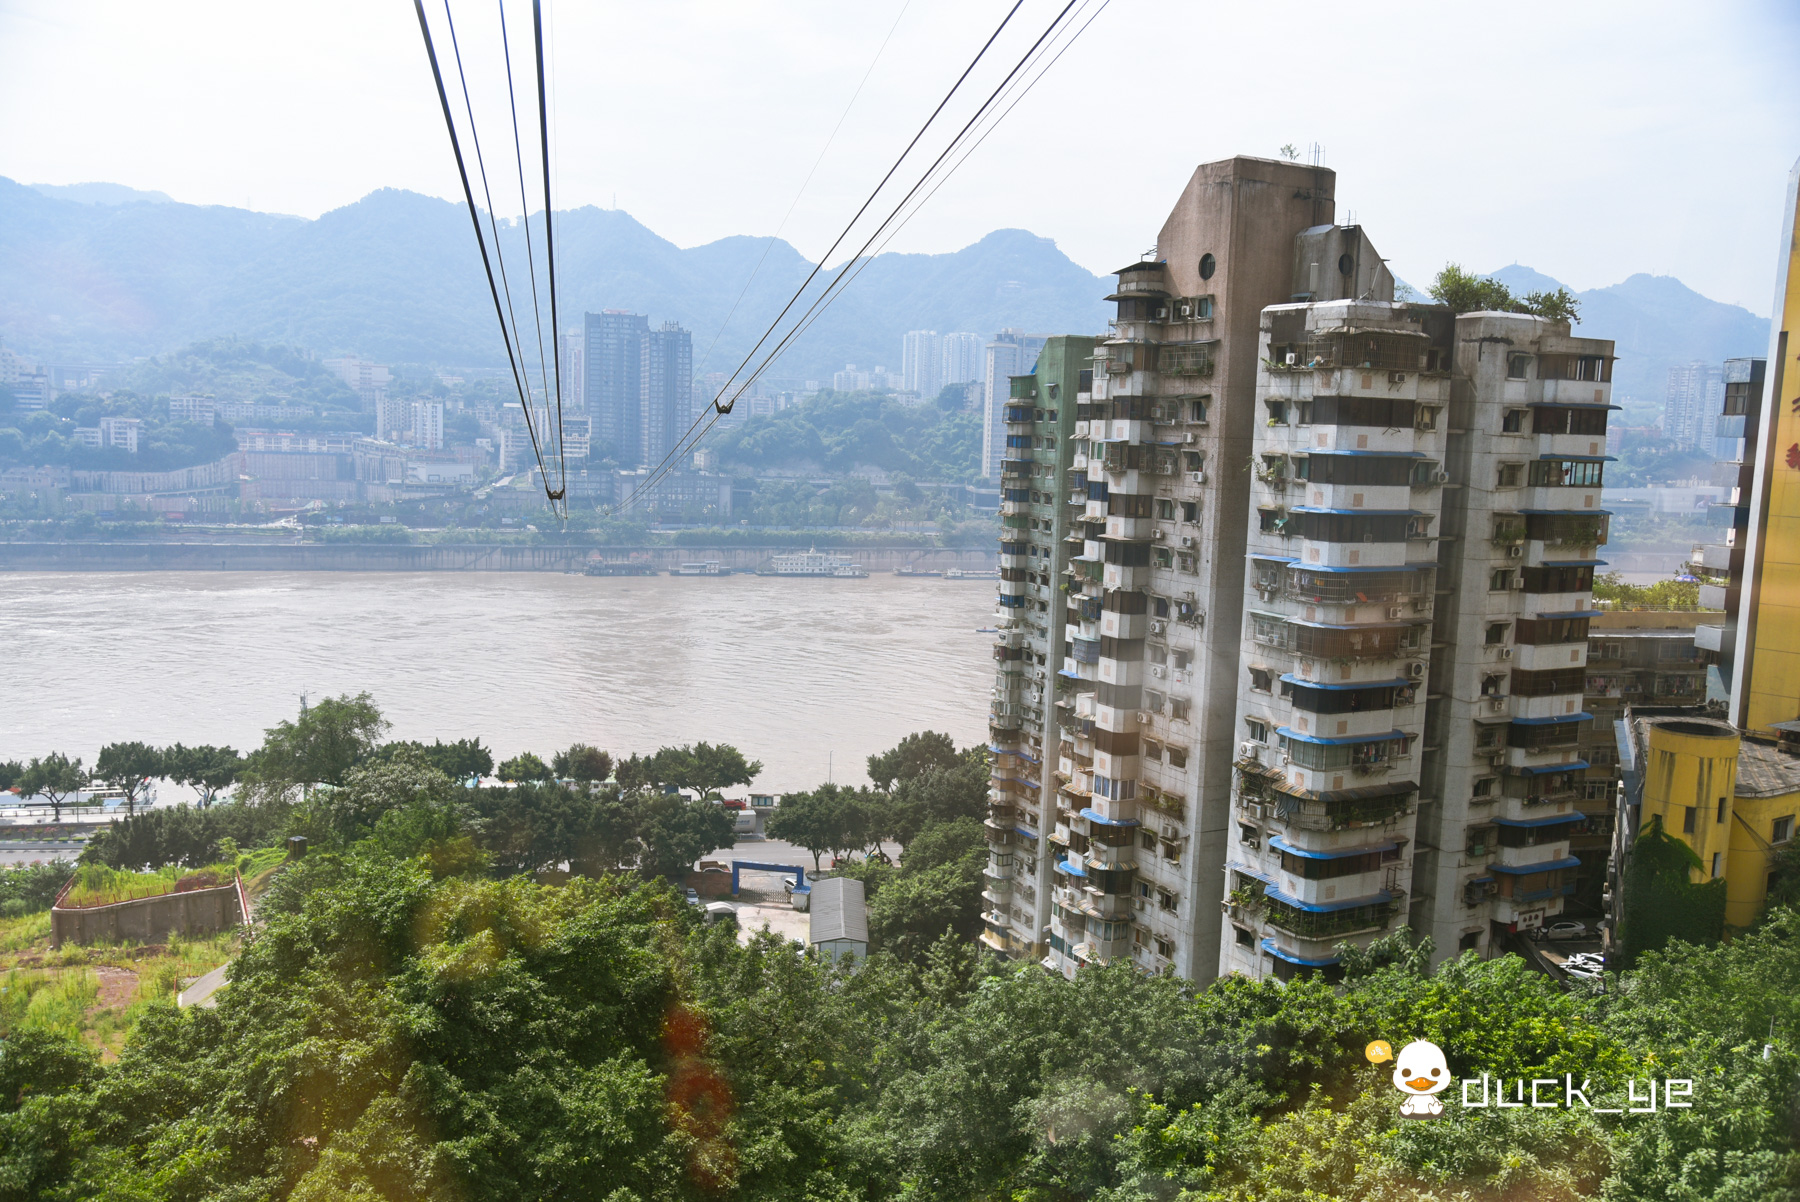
812,563
971,574
711,567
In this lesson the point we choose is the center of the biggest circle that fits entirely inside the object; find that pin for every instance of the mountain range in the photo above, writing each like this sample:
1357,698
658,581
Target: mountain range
98,272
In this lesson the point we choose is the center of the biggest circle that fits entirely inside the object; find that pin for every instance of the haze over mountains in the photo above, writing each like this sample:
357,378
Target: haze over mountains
97,272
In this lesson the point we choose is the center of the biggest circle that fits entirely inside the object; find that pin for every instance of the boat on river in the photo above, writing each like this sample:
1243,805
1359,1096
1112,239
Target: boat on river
711,567
812,563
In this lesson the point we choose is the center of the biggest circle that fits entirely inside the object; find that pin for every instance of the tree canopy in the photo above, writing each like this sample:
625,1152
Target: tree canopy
322,745
1465,292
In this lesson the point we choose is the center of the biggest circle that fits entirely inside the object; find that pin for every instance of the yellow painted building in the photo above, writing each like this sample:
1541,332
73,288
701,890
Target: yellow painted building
1768,633
1734,800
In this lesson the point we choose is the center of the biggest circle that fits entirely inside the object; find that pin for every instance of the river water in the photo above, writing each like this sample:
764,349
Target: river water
808,676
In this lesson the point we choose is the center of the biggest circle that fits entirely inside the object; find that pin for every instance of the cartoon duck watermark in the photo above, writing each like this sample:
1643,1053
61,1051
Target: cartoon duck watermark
1420,1072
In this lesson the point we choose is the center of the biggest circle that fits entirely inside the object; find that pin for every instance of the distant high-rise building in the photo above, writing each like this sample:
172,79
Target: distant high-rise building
612,362
1692,405
393,417
368,380
962,359
637,384
1011,353
668,375
121,432
571,348
201,410
428,425
922,363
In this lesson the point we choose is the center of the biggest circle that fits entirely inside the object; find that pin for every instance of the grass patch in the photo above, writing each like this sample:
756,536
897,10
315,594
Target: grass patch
98,885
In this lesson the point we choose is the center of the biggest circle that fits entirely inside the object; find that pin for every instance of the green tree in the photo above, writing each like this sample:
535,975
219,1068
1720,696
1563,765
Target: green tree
826,819
55,777
462,760
206,769
912,756
10,772
524,767
1660,899
1464,292
322,745
672,832
705,768
589,765
128,767
342,815
539,826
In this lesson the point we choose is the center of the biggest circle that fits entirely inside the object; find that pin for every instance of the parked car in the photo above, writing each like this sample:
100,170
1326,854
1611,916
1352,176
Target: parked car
693,898
1561,930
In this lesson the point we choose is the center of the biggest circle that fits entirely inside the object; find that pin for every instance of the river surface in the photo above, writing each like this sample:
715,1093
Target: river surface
808,676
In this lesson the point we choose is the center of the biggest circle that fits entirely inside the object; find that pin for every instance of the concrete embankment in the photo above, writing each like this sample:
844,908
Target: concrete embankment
455,557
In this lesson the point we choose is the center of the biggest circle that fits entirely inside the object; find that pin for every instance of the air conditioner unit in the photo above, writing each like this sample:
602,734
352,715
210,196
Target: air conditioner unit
1515,552
1192,437
1519,584
1286,759
1497,704
1156,535
1394,611
1291,358
1187,540
1506,653
1416,670
1157,627
1170,831
1143,716
1198,477
1158,671
1440,477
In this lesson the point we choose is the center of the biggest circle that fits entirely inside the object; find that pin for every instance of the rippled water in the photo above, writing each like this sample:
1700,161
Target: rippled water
801,674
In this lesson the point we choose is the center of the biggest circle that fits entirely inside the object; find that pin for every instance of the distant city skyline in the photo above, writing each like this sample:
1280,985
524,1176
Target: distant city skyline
327,108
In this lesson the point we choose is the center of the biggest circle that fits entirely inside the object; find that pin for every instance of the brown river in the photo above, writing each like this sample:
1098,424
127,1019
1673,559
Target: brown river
808,676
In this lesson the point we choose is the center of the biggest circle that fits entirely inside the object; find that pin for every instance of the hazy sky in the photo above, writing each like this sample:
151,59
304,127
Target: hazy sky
1589,140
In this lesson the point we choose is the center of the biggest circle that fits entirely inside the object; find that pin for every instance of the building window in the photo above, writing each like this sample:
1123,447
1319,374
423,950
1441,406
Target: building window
1196,461
1259,730
1500,580
1303,413
1783,831
1178,710
1177,757
1208,265
1244,938
1152,750
1167,901
1470,942
1721,814
1277,412
1496,633
1690,820
1511,475
1487,736
1147,841
1484,787
1153,701
1200,404
1512,421
1190,511
1163,557
1165,509
1718,862
1518,367
1262,680
1165,947
1185,561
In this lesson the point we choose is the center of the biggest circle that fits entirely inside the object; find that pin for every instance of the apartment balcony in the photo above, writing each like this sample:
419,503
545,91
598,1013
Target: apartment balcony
1560,498
1712,596
1716,639
1572,392
1570,444
1333,920
1539,657
1361,722
1534,859
1124,576
1136,529
1301,439
1554,706
1714,558
1356,496
1359,554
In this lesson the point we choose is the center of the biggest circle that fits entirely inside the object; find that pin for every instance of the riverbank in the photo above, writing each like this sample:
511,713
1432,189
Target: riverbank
451,557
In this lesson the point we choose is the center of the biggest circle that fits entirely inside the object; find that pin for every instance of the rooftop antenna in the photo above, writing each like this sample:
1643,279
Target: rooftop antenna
1318,154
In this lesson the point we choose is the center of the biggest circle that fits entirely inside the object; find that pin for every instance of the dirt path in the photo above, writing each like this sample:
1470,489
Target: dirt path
118,987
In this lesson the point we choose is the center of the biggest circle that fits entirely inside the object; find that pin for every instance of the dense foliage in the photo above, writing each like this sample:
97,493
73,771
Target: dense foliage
1664,594
494,992
840,431
1465,292
47,437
